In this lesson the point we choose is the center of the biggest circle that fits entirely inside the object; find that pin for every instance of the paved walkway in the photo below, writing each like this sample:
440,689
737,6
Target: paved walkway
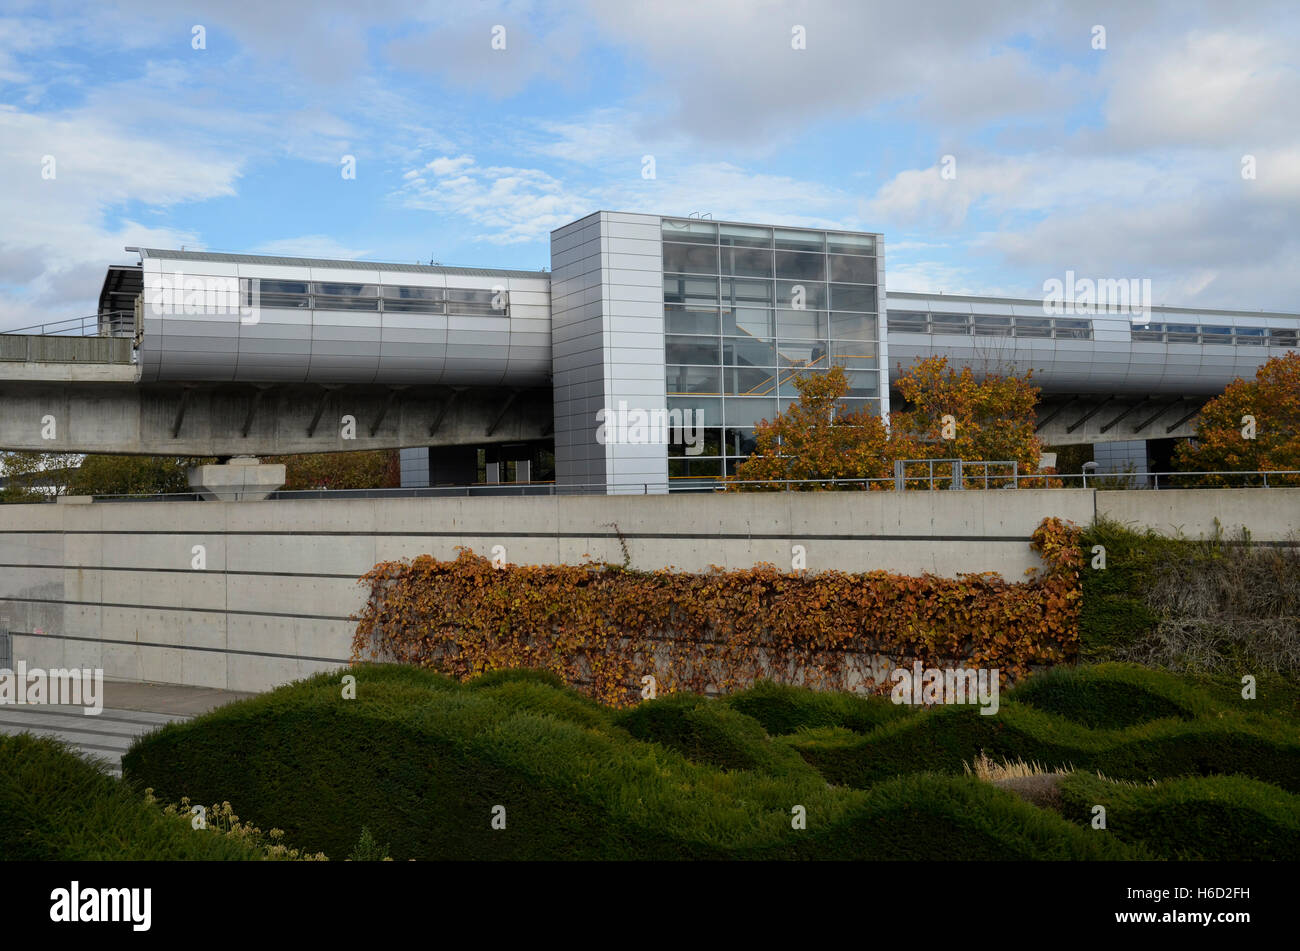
130,709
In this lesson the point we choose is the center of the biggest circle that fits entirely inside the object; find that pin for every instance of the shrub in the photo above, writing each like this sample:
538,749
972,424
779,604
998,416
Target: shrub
423,769
57,806
1219,818
782,708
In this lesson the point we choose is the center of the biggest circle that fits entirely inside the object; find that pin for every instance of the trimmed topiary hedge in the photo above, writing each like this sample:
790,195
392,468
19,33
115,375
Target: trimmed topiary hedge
422,761
1220,818
945,739
782,708
56,806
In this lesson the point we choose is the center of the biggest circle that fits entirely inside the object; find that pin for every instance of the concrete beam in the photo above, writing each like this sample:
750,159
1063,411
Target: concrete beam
1119,422
233,420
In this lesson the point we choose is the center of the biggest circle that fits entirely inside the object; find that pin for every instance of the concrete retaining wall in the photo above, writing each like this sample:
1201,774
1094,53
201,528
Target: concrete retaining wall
115,585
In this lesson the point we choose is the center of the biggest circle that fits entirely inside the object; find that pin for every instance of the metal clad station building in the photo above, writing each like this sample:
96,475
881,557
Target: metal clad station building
650,318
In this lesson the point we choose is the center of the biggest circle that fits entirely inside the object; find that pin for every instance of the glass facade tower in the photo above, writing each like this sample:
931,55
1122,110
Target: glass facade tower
747,309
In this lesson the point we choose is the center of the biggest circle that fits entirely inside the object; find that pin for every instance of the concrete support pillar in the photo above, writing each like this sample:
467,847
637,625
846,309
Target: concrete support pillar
243,479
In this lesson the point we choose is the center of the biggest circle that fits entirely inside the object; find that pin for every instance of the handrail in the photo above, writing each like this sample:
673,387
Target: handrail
93,321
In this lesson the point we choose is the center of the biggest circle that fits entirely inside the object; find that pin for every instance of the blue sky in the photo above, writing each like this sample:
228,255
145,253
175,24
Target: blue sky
1119,162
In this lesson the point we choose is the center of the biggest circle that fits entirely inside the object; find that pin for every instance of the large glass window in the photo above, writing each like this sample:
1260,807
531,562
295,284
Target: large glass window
690,232
851,243
746,262
854,326
697,350
283,294
853,297
691,258
749,351
749,381
798,266
691,319
788,240
693,379
811,293
751,321
851,270
690,290
801,324
739,236
737,291
766,291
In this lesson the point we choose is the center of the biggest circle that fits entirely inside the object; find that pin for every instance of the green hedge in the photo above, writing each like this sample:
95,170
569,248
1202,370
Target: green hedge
1221,818
706,731
783,709
944,739
1113,696
56,806
421,761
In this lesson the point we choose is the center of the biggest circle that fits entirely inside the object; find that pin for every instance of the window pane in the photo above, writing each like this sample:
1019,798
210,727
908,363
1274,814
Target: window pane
950,323
738,441
1281,338
800,240
744,262
690,232
742,237
751,321
803,353
853,270
1033,327
466,295
798,266
749,381
347,303
857,326
854,354
747,291
414,306
1072,329
742,411
283,300
392,292
803,324
691,258
851,243
903,321
748,351
710,441
690,290
709,408
692,379
813,293
853,297
787,385
863,383
688,319
694,350
281,287
346,290
987,326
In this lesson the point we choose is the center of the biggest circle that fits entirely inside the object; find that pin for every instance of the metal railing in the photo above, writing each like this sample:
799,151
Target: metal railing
116,323
938,481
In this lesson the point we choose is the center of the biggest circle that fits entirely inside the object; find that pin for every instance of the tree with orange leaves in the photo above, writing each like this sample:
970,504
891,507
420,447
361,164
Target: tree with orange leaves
811,440
991,419
1254,425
